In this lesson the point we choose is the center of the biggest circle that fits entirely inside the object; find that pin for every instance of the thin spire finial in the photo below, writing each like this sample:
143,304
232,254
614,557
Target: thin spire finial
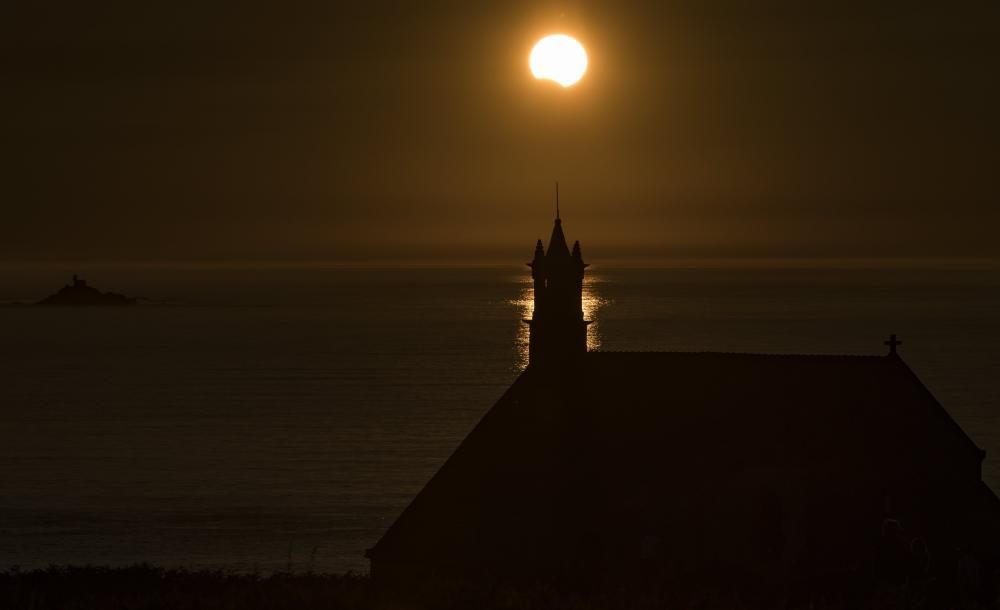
557,200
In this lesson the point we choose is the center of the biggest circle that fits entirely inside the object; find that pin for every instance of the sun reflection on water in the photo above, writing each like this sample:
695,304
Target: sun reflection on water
525,302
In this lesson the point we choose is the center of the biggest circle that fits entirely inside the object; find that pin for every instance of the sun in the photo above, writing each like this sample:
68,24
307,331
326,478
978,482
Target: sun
558,58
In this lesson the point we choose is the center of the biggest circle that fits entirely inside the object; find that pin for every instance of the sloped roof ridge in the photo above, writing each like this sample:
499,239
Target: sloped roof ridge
724,353
942,412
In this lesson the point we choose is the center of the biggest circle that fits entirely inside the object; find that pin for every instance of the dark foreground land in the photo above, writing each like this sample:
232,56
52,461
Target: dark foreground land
144,587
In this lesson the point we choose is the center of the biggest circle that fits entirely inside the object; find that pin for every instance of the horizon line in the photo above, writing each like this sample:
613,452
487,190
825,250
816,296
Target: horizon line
679,262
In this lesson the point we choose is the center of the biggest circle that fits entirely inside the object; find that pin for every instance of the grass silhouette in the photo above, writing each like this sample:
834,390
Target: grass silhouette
146,587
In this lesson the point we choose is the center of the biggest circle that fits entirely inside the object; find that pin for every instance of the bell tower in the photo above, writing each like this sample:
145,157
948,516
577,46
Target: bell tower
558,331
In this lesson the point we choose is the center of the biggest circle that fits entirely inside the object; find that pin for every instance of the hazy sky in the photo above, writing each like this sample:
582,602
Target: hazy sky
284,131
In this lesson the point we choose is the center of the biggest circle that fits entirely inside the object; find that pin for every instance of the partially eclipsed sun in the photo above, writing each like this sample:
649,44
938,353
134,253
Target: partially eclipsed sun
558,58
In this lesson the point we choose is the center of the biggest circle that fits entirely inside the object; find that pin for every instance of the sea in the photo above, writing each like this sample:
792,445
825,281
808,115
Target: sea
278,417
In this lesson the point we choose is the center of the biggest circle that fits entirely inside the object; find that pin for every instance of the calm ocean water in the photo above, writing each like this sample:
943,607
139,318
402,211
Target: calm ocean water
267,418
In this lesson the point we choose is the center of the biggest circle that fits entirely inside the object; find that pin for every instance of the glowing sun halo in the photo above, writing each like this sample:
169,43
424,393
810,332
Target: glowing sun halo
558,58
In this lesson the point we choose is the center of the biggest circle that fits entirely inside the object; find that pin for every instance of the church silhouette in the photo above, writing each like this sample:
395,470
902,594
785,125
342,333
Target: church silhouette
596,469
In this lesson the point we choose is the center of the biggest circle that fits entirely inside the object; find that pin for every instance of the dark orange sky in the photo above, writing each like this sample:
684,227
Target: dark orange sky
284,131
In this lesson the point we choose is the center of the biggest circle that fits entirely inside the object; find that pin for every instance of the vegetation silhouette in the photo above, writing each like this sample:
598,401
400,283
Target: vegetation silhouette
147,587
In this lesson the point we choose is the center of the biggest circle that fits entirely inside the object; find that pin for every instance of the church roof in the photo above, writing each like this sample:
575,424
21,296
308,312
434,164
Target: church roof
626,437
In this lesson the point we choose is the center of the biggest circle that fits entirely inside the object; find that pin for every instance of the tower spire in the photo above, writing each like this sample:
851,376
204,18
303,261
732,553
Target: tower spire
558,332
